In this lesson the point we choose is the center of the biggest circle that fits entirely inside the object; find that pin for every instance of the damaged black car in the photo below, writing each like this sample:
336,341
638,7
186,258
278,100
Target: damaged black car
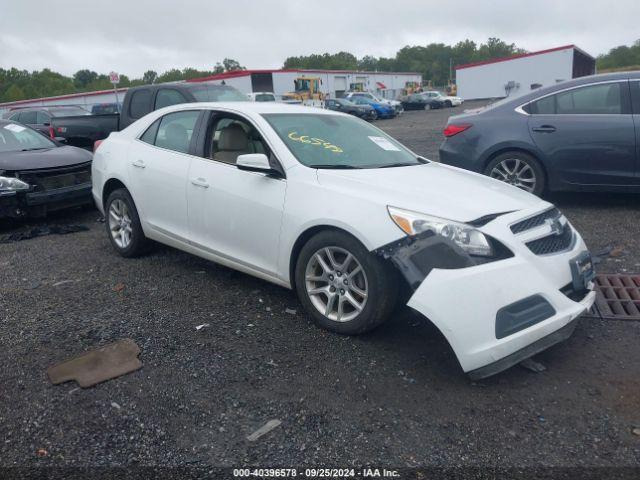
39,175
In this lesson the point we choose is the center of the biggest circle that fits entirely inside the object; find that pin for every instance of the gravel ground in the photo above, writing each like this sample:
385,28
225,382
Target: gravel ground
394,397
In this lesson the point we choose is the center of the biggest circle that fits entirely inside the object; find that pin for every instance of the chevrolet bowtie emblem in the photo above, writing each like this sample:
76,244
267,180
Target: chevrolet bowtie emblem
555,225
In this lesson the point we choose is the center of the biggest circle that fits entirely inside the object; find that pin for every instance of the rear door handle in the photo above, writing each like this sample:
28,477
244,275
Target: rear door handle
200,182
138,164
544,129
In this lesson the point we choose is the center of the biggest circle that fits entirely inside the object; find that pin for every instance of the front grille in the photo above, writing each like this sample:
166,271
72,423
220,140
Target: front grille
46,180
552,243
535,221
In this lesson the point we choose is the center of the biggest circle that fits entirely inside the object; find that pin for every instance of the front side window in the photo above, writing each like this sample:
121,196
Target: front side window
139,104
332,141
15,137
231,136
68,112
42,118
216,93
265,97
176,129
167,97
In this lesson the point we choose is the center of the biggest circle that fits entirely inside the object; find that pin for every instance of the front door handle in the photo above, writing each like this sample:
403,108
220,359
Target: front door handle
200,182
544,129
138,164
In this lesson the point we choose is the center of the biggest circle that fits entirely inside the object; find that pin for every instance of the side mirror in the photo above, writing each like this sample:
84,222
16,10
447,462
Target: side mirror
255,162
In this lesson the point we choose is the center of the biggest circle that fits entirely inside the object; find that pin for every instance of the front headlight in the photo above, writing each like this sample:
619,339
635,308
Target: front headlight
10,184
471,240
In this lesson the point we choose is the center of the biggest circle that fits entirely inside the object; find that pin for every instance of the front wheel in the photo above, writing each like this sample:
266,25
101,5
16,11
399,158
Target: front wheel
345,288
123,225
518,169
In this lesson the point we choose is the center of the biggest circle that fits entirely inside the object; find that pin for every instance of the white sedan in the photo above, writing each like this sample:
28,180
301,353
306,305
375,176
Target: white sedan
447,100
332,207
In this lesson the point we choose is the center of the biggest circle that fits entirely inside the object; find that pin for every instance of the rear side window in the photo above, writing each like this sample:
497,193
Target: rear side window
150,135
594,99
167,97
602,99
140,101
544,106
176,129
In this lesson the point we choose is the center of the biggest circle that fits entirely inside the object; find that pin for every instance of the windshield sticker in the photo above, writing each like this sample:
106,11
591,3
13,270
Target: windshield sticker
15,127
384,144
306,139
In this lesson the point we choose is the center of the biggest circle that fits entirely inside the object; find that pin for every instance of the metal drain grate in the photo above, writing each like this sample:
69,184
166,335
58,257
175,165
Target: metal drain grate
618,296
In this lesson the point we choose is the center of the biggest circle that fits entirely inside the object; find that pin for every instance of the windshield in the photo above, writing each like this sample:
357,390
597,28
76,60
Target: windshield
265,97
68,112
217,93
336,141
15,137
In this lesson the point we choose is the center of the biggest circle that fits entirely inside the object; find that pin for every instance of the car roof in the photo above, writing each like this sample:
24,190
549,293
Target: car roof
556,87
254,107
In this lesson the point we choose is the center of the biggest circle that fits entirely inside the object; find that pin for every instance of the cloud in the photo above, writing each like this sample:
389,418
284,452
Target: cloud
134,36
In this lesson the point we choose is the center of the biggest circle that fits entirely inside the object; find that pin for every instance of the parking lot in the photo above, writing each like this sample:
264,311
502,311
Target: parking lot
392,397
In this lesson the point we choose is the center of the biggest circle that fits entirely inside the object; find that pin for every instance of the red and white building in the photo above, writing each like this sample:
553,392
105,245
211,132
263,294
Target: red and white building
520,74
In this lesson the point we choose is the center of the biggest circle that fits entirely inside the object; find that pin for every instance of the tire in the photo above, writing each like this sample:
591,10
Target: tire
121,215
376,278
513,167
448,104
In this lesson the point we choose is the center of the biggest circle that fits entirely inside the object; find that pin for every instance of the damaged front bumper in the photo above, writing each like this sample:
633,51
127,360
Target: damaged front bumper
35,203
493,312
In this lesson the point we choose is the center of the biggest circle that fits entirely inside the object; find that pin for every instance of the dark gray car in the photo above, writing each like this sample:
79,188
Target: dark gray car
583,134
39,175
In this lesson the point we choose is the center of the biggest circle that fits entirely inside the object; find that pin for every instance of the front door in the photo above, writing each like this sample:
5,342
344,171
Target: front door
587,134
235,213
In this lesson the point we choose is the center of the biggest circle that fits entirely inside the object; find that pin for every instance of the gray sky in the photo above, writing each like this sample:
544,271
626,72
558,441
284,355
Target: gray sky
136,35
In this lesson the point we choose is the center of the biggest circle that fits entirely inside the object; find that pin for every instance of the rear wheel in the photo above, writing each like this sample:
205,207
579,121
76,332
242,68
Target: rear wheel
123,225
518,169
344,287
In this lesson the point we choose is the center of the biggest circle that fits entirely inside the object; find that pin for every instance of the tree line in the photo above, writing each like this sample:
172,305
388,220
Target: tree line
18,84
435,61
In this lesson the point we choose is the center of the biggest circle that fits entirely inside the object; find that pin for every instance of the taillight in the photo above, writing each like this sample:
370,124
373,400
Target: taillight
52,134
453,129
96,144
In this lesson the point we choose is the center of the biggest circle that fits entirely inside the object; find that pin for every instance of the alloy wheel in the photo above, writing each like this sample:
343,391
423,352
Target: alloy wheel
120,223
336,284
515,172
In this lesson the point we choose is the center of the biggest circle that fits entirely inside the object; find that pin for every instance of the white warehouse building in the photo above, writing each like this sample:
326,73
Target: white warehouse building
519,74
332,82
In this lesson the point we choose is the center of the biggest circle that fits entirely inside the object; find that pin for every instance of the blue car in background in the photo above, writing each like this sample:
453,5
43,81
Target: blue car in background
583,134
383,110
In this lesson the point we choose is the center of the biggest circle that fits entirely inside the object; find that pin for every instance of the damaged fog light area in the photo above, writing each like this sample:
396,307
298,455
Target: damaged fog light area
416,255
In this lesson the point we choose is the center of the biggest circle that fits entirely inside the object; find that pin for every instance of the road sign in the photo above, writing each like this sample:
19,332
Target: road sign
114,77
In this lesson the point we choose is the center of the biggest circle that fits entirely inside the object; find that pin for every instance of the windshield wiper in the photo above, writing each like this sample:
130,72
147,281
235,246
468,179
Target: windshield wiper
391,165
31,149
334,167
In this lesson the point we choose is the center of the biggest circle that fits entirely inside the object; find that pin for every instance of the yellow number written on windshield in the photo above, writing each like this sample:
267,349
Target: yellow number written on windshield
306,139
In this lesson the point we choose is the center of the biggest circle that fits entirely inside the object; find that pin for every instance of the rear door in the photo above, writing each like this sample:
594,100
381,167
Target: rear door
159,163
586,134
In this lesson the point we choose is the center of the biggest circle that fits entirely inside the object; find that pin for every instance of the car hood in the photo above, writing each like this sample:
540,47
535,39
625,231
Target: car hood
432,189
48,158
